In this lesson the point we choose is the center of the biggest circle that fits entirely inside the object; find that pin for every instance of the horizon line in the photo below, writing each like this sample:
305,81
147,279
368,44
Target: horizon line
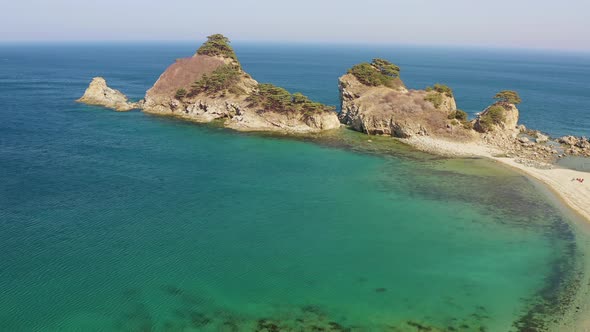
581,51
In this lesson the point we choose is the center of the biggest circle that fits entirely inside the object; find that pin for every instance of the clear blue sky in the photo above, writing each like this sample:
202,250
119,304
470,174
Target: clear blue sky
505,23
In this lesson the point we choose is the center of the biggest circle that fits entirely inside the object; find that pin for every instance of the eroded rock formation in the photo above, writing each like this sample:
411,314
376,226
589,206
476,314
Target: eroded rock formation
398,111
499,117
99,93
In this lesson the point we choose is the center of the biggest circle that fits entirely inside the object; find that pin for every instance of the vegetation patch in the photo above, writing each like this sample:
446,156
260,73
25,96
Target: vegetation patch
273,98
435,98
458,115
508,96
378,72
181,93
217,45
441,88
224,78
495,115
468,125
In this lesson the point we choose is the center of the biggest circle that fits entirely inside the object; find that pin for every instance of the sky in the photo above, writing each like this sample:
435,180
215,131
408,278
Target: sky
561,25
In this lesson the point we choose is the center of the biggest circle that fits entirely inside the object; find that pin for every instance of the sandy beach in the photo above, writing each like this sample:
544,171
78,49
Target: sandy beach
560,180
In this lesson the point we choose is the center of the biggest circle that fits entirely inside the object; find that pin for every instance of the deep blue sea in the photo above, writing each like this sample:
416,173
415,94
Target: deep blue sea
130,222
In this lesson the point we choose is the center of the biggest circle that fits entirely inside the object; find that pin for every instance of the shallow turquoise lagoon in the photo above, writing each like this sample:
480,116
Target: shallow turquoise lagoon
146,222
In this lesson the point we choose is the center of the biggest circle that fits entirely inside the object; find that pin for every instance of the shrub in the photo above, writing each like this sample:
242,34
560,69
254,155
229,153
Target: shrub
385,67
299,98
497,114
217,45
485,124
494,115
468,125
223,78
180,93
367,74
273,98
435,98
441,88
458,115
508,96
379,72
236,90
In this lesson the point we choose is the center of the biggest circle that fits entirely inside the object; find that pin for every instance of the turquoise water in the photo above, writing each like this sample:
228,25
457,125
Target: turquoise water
123,221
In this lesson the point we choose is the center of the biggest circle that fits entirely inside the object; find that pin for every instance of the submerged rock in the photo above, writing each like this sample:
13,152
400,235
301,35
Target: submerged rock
99,93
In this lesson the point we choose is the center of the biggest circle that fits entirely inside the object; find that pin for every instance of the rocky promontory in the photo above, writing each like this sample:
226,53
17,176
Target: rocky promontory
375,101
212,85
99,93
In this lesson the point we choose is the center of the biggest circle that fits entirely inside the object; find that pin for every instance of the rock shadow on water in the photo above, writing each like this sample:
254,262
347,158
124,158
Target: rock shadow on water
137,318
557,296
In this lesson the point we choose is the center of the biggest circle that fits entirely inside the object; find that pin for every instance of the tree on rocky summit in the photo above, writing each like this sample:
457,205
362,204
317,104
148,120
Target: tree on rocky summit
217,44
386,67
508,96
378,72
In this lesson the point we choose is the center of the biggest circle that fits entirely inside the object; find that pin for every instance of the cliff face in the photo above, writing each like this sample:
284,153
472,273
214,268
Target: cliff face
399,112
98,93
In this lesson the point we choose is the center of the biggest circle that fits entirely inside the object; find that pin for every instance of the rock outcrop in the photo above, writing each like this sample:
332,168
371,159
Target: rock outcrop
499,117
162,97
424,115
212,85
190,89
99,93
397,111
576,146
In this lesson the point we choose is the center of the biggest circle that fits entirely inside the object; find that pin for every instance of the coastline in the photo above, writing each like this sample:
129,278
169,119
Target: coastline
574,194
